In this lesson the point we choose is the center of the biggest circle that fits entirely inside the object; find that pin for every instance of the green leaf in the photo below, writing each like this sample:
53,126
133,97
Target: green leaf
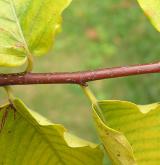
27,28
27,138
130,132
152,10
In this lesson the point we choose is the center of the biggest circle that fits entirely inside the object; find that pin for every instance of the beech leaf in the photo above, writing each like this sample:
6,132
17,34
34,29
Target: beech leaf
130,132
28,27
28,138
152,10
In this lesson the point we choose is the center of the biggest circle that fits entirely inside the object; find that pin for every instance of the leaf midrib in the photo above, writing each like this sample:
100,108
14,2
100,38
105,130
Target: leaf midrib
19,27
44,137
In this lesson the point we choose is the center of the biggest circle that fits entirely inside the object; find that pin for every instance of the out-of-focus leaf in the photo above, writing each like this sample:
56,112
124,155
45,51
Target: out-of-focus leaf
130,132
152,10
29,139
28,27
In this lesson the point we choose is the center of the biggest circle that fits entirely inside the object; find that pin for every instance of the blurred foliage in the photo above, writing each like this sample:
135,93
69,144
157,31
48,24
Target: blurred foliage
96,34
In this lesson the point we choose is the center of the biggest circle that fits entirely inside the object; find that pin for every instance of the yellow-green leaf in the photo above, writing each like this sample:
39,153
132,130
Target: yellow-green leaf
152,10
130,132
28,27
29,139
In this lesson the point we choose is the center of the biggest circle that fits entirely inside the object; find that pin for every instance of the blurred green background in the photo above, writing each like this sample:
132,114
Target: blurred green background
95,34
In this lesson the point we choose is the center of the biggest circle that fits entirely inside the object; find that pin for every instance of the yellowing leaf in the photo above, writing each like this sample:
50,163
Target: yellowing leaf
130,133
29,139
152,10
28,27
115,143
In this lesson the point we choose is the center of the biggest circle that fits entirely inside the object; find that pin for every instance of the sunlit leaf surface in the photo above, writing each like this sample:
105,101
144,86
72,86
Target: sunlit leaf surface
28,27
152,10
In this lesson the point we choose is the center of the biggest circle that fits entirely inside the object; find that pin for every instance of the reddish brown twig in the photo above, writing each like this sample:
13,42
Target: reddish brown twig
77,77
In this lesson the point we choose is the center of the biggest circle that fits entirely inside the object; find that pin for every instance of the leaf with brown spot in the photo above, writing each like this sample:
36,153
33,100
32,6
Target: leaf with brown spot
28,27
130,132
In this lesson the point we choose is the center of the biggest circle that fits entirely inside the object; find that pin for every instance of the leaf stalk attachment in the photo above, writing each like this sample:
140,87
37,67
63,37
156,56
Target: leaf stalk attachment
29,67
87,91
9,92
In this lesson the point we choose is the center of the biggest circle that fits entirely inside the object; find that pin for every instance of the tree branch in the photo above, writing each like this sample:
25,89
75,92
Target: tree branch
77,77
